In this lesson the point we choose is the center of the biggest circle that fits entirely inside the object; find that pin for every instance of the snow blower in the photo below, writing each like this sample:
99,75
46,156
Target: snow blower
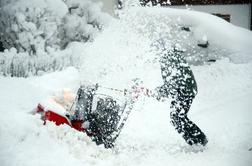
98,111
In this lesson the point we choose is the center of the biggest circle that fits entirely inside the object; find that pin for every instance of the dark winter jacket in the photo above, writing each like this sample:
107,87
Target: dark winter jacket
177,76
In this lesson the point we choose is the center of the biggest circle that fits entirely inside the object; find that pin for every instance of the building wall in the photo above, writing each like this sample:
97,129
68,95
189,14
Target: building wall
240,14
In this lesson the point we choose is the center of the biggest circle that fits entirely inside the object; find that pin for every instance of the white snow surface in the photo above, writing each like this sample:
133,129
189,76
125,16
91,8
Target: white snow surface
222,108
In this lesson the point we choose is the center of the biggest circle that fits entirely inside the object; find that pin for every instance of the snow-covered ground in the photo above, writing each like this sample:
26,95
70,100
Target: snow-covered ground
222,108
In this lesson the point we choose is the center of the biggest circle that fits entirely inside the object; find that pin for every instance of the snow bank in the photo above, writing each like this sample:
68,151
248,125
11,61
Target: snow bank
217,30
203,26
222,105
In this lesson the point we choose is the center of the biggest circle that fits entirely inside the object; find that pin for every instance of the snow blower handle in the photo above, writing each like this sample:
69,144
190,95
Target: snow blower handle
135,92
113,89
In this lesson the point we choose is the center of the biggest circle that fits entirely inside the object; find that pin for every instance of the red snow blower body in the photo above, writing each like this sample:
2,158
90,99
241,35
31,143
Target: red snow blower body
53,116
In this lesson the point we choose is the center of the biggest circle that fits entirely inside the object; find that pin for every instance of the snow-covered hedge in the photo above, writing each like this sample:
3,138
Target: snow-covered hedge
21,64
36,28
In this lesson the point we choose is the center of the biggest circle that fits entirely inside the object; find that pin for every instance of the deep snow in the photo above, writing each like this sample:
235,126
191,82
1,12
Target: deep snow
222,108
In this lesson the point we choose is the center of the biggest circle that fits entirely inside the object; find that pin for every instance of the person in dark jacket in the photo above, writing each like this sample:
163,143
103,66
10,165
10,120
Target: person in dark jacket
181,87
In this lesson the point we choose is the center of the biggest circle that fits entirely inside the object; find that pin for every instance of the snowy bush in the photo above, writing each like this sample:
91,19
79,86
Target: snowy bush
82,22
31,26
21,64
36,28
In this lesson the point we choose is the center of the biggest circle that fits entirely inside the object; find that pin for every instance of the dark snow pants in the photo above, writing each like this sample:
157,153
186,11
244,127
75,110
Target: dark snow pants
180,106
181,87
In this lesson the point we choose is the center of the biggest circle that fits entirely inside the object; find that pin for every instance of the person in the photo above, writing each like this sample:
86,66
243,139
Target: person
180,86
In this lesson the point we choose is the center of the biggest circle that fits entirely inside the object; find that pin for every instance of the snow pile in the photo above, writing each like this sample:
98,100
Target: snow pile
200,27
222,105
